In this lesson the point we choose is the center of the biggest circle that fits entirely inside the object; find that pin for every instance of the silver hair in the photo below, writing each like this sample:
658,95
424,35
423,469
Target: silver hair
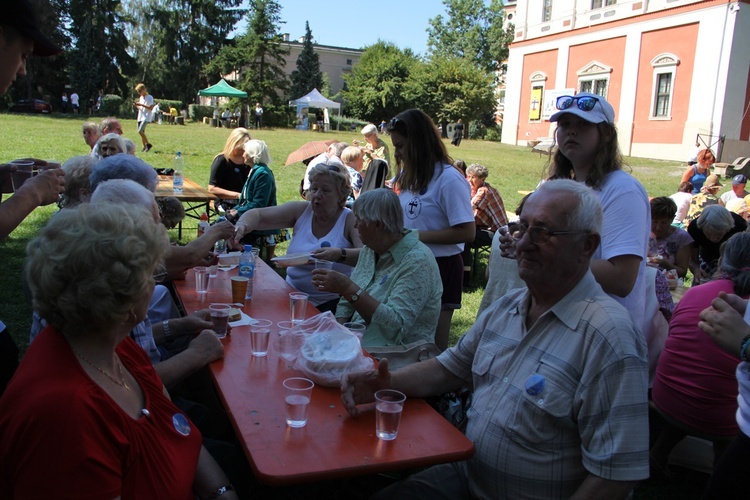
129,147
257,151
336,171
381,205
715,219
123,191
735,262
338,147
369,129
111,137
124,167
477,170
587,215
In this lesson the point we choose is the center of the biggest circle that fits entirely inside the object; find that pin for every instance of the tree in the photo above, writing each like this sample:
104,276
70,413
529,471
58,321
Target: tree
449,88
472,29
307,76
186,34
99,59
258,58
375,87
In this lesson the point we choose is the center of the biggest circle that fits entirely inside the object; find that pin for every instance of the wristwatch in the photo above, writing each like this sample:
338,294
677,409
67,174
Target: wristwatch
355,297
342,258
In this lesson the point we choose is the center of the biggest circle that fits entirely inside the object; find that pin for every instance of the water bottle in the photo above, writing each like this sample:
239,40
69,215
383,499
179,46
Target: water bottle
179,173
221,245
247,269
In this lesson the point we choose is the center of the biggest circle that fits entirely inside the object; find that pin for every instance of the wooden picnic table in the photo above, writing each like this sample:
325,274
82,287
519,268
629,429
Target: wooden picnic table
194,197
332,445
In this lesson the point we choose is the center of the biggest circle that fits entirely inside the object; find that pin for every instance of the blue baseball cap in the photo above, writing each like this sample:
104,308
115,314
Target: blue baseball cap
739,179
601,112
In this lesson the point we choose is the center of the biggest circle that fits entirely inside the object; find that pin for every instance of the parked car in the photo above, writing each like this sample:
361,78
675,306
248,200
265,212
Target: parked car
31,106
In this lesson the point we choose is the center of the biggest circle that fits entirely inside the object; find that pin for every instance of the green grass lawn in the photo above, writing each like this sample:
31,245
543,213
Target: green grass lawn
512,169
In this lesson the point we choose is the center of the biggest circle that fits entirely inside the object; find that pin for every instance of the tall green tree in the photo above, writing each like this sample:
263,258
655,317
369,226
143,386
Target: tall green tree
449,88
472,29
307,76
187,33
99,58
258,58
375,89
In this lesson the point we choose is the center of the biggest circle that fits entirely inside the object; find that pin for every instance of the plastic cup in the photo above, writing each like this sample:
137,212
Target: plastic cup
239,287
284,326
297,394
220,318
201,279
213,271
388,407
298,305
323,264
24,171
357,329
259,335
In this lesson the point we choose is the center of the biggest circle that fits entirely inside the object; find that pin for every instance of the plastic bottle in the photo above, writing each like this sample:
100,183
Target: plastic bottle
247,268
203,224
179,173
221,245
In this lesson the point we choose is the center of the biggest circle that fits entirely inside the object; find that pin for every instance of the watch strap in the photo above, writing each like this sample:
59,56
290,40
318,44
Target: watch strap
342,258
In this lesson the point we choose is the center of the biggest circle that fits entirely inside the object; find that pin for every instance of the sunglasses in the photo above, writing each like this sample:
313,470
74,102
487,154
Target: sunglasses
394,124
584,103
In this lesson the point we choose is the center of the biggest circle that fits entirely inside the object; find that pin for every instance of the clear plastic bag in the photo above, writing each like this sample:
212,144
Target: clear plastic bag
323,350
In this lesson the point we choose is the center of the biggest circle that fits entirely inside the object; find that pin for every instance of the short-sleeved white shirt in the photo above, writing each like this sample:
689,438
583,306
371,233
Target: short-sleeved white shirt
144,114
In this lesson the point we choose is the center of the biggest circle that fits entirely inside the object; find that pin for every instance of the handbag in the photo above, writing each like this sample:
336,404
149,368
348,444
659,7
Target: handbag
405,354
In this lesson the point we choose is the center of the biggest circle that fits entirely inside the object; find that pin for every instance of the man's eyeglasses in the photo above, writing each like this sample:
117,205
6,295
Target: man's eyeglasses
539,235
584,103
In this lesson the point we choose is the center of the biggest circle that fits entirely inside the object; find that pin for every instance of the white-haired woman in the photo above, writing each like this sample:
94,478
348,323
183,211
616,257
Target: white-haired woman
395,288
714,226
259,191
110,145
321,222
86,411
374,147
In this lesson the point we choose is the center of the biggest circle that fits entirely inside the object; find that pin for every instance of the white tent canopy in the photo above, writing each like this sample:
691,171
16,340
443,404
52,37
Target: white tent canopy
315,99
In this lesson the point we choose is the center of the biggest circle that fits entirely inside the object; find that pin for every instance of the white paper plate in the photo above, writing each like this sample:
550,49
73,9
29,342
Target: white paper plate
245,320
292,259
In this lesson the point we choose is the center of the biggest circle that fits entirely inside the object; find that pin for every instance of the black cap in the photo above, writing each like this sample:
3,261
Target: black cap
20,15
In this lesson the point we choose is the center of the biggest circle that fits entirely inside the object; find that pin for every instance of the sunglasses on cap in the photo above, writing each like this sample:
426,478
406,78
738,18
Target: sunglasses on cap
584,103
394,124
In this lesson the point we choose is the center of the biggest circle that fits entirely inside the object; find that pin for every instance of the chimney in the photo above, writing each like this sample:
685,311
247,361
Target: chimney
285,37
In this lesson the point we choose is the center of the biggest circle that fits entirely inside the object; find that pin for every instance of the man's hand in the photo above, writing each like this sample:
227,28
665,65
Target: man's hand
207,347
358,388
507,244
723,322
223,230
240,230
46,187
192,324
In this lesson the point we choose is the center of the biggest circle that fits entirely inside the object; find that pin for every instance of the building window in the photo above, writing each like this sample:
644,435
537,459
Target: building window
594,86
546,10
665,69
598,4
594,78
348,62
536,102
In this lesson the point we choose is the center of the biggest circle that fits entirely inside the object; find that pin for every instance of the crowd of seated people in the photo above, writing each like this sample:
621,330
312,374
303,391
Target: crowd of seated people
573,409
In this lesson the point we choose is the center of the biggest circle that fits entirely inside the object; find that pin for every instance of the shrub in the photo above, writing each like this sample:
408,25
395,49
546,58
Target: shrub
165,104
494,133
196,112
477,130
111,105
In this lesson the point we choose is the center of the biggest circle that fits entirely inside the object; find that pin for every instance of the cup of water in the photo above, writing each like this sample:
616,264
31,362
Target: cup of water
220,318
201,279
388,407
298,305
260,332
297,394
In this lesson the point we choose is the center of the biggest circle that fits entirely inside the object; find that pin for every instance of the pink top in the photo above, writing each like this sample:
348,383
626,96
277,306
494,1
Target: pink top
695,382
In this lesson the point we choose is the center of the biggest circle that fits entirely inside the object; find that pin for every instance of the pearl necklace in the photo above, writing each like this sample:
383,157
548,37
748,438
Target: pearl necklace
120,382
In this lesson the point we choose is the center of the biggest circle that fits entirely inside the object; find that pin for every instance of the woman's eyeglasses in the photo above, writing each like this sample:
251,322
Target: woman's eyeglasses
584,103
539,235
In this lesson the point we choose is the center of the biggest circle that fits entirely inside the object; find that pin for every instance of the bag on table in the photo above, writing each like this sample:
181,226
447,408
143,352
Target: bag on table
327,350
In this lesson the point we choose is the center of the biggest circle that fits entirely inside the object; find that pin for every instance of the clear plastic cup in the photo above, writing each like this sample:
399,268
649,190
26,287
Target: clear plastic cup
323,264
388,407
297,394
298,306
357,329
201,279
260,332
220,318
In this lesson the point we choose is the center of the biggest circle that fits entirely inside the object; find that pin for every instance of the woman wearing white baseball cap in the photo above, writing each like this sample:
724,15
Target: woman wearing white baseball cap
588,152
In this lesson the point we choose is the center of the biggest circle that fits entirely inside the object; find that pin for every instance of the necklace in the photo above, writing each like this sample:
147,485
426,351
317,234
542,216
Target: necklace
120,382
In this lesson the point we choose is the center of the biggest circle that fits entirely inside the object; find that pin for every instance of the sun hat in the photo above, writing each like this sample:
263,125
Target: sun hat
739,179
737,205
601,112
712,181
20,15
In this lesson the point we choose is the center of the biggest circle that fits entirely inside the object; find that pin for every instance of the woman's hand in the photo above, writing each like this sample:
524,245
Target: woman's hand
240,230
328,253
724,323
326,280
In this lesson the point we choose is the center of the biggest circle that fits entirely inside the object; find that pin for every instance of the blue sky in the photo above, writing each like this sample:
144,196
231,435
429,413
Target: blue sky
357,23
